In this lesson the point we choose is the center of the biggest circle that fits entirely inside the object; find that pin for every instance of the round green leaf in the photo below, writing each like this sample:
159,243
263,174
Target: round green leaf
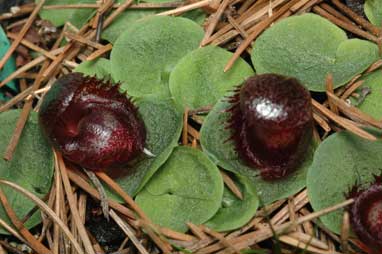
58,17
99,68
341,161
187,188
215,140
310,47
372,104
163,127
145,54
123,21
199,79
373,11
234,212
31,166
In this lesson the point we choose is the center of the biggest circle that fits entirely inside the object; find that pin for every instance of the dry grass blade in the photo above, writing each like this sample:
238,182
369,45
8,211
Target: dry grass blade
80,182
214,19
360,20
262,234
99,52
47,210
329,89
21,34
343,122
145,222
128,231
347,26
197,231
13,232
309,239
231,185
304,246
354,112
185,127
176,235
221,239
351,89
345,230
186,8
71,201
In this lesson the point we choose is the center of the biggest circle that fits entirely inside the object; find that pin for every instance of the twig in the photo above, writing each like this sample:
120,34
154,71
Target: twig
102,193
329,89
47,210
74,211
32,242
345,230
343,122
185,127
215,19
99,52
80,182
186,8
21,34
129,232
231,185
361,21
347,26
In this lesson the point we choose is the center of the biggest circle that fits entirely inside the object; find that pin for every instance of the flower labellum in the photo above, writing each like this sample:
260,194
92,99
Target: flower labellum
271,124
91,123
366,214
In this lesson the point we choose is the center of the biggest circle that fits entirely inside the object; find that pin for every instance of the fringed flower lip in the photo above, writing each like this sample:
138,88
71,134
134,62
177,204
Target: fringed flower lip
271,123
366,213
91,122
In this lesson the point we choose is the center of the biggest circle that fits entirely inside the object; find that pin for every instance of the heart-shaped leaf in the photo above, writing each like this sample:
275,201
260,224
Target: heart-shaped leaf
215,140
163,126
99,68
372,103
373,11
187,188
125,19
234,212
145,54
199,79
341,161
10,66
58,17
31,166
310,47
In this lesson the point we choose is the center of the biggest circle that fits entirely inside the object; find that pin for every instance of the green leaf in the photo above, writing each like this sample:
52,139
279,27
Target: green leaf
77,17
163,127
199,79
197,15
99,68
215,140
341,161
145,54
310,47
187,188
234,212
373,11
373,102
10,65
31,166
123,21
